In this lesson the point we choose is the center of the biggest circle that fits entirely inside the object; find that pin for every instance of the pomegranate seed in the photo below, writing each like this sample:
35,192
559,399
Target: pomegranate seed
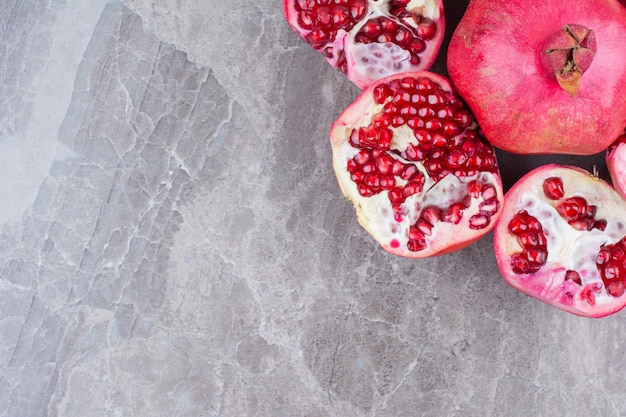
587,294
478,221
600,225
454,214
381,92
572,208
432,214
553,188
426,29
616,289
424,226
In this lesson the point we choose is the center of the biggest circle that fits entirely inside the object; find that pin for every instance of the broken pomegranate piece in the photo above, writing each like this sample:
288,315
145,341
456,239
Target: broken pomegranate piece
409,155
370,39
561,238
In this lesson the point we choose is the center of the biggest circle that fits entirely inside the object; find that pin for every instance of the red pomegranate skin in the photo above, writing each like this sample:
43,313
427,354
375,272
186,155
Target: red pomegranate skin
495,60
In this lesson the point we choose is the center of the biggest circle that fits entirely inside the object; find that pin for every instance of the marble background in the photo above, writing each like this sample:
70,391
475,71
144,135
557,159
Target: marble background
173,241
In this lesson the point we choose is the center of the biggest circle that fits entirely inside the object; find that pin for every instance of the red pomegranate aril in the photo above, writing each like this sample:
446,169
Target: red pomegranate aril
424,226
479,221
572,208
553,188
489,207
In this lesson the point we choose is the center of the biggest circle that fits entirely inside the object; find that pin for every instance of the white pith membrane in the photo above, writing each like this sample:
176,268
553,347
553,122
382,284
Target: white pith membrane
568,248
369,62
376,214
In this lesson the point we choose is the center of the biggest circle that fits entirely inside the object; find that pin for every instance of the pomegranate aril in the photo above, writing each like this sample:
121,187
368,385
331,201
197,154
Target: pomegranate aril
454,214
531,238
572,208
424,226
479,221
432,214
520,265
417,240
489,207
616,288
553,188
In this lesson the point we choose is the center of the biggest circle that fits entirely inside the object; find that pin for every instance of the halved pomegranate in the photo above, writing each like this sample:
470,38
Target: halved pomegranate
616,163
410,157
370,39
561,238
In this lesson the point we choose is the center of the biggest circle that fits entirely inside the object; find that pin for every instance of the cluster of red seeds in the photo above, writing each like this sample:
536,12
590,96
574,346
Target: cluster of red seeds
611,259
531,238
441,141
454,213
325,17
611,262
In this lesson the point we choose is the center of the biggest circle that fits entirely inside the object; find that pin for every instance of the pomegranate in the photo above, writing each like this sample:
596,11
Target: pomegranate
543,76
561,238
616,163
409,155
370,39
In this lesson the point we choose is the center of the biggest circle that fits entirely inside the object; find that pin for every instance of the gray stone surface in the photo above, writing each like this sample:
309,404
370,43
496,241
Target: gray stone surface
173,241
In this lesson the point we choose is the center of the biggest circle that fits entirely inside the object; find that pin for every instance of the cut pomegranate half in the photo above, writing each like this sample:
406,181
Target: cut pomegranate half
370,39
408,154
561,238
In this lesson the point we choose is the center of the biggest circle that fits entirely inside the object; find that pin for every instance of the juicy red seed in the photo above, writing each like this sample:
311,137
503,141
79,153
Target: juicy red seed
412,187
600,225
489,207
582,223
573,276
616,288
479,221
417,241
531,238
611,263
454,214
572,208
384,163
553,188
426,29
474,188
424,226
432,214
381,93
536,256
520,265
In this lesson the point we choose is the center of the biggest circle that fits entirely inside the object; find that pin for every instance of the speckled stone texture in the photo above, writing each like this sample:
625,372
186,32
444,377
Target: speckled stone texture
173,241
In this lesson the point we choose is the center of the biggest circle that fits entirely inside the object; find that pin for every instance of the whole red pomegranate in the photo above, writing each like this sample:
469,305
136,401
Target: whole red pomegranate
543,76
561,238
370,39
409,155
616,163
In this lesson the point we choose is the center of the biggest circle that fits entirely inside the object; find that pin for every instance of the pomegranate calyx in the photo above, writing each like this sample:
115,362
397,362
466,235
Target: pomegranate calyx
568,54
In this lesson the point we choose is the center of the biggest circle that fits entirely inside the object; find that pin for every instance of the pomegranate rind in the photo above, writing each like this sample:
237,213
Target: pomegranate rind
344,46
494,62
616,164
566,250
446,237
